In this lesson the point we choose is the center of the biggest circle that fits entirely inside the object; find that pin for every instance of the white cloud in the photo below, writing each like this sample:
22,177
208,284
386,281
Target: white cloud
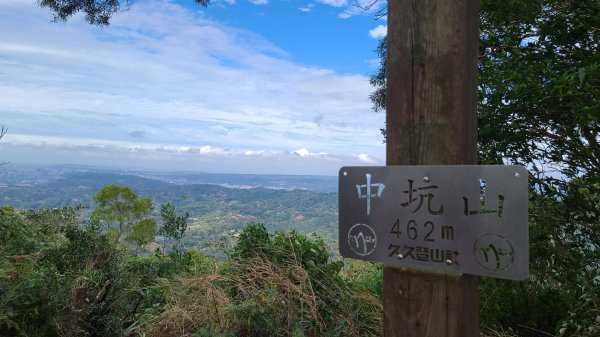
365,158
302,152
172,158
164,82
363,7
305,153
307,9
334,3
378,32
259,2
207,149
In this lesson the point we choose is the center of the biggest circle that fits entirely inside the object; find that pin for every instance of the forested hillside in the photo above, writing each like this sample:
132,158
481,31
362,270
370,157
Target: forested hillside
215,212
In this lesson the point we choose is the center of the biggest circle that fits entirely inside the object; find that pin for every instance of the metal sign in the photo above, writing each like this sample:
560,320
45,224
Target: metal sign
466,219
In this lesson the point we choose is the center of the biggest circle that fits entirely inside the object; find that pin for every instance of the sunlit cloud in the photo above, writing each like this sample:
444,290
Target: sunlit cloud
334,3
365,158
378,32
165,84
305,153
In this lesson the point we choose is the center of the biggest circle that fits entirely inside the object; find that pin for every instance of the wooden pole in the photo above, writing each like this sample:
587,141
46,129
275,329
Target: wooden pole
431,120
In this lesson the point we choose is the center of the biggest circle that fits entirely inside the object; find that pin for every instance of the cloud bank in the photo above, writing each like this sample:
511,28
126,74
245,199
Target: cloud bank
166,87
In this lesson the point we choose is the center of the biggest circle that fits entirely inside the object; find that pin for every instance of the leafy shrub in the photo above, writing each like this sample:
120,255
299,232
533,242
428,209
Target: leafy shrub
281,284
367,276
584,316
32,291
66,280
287,283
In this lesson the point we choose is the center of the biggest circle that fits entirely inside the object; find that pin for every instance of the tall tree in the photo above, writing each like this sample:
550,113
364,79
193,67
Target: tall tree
173,226
121,209
539,84
539,106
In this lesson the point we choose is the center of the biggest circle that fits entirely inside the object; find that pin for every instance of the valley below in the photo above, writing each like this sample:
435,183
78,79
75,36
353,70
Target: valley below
219,205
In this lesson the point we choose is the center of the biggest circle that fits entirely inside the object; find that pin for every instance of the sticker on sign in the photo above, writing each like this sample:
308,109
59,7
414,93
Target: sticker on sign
466,219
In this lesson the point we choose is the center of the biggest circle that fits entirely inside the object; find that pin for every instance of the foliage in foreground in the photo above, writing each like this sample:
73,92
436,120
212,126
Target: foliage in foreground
60,279
272,285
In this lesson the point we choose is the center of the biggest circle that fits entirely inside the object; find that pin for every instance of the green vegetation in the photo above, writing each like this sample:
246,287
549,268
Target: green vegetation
539,106
173,226
61,278
215,212
124,213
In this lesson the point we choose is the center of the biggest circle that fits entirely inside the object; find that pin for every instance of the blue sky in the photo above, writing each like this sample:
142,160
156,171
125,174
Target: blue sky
261,86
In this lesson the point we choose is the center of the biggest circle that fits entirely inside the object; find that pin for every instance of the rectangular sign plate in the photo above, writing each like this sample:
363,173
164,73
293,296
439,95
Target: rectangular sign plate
466,219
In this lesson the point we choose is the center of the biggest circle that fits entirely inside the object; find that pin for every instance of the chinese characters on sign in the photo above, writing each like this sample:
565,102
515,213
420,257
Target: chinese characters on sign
422,196
468,219
365,191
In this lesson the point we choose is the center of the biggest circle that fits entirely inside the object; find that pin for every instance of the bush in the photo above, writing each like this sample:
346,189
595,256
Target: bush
584,317
281,284
287,284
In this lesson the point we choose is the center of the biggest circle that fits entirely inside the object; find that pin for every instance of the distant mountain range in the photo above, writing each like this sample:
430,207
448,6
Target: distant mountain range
219,204
34,175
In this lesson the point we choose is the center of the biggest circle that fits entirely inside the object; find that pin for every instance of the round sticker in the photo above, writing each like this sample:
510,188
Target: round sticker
362,239
494,252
